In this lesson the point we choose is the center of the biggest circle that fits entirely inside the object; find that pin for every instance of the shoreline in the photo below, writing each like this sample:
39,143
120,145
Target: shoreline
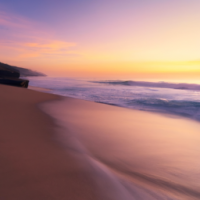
159,153
61,147
158,112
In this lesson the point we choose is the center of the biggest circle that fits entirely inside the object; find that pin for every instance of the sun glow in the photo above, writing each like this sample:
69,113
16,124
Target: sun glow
129,39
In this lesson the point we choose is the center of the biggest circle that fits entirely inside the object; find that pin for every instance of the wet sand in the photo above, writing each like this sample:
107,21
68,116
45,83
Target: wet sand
159,153
55,148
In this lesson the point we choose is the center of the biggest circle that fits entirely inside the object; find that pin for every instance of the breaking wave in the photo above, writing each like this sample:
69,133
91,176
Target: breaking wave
173,98
189,109
180,86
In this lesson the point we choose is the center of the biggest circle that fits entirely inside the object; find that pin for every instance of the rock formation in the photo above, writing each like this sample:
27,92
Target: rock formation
9,75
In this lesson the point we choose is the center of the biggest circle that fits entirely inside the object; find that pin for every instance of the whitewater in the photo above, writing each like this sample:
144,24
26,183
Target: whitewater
165,97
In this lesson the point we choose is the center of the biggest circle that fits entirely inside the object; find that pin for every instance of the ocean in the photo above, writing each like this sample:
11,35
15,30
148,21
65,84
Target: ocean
181,99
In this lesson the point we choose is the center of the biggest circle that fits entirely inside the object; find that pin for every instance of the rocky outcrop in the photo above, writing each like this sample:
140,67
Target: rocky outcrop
14,82
8,72
10,76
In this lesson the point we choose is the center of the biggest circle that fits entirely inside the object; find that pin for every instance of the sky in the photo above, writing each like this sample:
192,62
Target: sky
102,38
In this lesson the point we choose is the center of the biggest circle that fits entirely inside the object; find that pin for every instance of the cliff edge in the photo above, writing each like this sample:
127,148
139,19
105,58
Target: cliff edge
10,75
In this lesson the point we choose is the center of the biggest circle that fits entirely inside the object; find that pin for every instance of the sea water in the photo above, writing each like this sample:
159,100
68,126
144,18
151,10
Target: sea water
159,96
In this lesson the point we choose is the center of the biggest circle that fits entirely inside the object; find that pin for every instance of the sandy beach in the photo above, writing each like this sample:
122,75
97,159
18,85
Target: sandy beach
64,148
32,164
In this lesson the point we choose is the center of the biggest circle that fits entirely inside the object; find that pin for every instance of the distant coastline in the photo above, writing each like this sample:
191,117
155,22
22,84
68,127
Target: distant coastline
23,71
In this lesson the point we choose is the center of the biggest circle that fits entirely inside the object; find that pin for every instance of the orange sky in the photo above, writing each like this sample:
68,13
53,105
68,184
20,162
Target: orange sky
103,38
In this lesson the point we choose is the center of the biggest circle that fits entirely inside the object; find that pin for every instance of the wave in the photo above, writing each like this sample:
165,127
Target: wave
189,109
180,86
178,98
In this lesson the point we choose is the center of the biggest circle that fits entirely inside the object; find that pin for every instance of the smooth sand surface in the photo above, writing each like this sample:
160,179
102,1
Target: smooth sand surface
161,151
93,151
33,165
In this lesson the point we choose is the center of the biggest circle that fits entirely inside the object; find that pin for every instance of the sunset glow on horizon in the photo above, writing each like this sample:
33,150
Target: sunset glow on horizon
113,38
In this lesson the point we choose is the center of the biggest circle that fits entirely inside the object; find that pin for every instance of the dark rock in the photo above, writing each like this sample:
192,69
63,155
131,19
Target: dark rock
6,71
14,82
9,75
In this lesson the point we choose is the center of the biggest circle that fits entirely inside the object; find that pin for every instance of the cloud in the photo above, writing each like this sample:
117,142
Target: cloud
21,38
11,22
48,48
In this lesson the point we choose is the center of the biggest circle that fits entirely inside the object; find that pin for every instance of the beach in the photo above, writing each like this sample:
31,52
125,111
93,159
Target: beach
64,148
32,164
